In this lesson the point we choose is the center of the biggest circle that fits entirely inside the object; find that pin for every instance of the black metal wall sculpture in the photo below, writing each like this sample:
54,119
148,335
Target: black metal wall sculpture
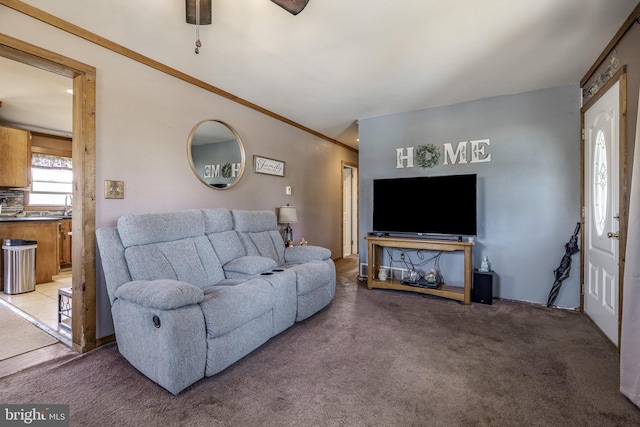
562,272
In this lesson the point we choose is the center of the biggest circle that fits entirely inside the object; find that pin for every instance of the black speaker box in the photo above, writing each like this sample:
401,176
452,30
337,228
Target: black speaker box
482,287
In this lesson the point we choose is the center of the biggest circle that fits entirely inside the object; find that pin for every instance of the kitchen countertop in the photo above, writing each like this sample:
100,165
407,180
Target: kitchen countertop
32,218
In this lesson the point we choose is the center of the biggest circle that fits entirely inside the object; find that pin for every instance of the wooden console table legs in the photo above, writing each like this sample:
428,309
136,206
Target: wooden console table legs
375,244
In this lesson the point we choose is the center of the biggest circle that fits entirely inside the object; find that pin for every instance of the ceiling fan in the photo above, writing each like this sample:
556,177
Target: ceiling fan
292,6
199,13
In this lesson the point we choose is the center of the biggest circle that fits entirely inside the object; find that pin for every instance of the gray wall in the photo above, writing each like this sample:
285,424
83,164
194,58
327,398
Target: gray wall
528,194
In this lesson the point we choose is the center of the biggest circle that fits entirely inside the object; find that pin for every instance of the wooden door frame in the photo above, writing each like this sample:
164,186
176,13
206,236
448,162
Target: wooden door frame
83,319
342,166
619,76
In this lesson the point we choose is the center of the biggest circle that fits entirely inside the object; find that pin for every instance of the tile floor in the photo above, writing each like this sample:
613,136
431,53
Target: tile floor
41,306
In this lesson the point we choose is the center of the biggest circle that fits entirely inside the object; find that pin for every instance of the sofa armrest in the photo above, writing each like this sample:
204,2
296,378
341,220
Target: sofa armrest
161,294
298,254
249,266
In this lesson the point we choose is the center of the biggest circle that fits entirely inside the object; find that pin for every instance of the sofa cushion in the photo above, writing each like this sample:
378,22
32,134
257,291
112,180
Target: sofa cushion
265,244
110,256
248,266
254,221
144,229
311,275
160,294
299,254
217,220
228,307
258,231
228,282
189,260
227,245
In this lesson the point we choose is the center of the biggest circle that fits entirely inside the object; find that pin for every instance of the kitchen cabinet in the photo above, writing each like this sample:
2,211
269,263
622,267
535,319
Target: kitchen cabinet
64,243
15,158
45,232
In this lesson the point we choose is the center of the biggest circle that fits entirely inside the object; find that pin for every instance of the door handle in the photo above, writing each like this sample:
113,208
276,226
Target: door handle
613,235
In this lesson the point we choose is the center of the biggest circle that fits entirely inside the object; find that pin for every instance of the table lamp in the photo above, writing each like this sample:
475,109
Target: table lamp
287,216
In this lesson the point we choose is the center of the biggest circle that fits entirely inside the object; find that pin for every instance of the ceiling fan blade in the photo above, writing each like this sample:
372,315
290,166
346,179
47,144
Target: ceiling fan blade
292,6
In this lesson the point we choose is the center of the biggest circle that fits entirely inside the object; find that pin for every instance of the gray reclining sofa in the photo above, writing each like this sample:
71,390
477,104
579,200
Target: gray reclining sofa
194,291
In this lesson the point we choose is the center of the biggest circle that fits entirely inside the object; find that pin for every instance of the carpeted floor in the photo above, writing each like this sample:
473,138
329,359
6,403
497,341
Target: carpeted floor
19,336
372,358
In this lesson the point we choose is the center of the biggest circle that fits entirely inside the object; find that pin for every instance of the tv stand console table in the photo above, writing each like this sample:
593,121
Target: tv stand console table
453,292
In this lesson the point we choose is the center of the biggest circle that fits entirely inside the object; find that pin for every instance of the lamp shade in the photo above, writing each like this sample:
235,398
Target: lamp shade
287,214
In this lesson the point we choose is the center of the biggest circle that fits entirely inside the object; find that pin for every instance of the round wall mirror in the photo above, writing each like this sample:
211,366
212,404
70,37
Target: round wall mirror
216,154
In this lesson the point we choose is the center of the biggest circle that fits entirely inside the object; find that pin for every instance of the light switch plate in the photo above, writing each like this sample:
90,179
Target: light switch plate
113,189
287,190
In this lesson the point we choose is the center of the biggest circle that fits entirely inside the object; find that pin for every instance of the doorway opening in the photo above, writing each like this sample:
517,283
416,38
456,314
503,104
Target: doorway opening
350,214
83,77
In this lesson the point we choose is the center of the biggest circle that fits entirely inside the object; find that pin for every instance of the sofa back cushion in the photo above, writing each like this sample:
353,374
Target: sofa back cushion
189,260
142,229
219,229
258,231
254,221
227,246
111,260
169,245
217,220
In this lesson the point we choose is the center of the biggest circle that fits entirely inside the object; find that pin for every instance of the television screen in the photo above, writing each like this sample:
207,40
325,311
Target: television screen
437,205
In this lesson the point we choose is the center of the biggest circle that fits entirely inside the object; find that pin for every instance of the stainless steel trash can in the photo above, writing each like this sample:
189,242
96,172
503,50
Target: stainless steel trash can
19,265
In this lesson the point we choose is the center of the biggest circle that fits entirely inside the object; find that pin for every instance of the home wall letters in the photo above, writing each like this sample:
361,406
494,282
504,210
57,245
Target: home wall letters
428,156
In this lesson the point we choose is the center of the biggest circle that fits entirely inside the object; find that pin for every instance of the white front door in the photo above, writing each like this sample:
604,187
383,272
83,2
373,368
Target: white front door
601,198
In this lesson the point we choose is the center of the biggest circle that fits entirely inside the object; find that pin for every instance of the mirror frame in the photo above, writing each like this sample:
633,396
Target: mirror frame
240,145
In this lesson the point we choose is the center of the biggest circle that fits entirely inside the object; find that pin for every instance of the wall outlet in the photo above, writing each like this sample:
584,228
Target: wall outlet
113,189
363,269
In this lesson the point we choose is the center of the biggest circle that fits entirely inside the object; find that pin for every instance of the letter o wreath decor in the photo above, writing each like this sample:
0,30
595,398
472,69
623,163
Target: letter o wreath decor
421,154
226,170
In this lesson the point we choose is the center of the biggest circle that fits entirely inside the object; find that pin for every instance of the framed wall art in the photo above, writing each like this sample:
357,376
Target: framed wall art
268,166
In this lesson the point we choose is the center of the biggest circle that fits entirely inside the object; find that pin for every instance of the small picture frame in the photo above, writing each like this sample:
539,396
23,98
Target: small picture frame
268,166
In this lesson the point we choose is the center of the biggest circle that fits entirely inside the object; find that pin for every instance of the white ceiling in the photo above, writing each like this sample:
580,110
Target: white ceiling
343,60
34,99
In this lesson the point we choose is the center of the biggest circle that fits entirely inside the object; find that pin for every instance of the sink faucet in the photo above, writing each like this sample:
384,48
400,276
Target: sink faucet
68,201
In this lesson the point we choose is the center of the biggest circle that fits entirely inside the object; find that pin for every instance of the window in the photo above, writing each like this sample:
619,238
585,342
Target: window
600,182
51,180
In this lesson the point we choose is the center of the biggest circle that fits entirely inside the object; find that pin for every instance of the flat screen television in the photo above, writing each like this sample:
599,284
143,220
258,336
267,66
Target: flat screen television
434,205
